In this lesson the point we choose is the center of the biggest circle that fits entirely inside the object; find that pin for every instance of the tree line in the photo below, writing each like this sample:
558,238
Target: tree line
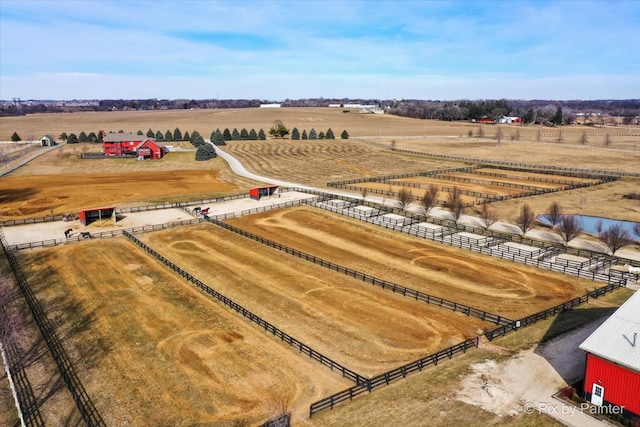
568,227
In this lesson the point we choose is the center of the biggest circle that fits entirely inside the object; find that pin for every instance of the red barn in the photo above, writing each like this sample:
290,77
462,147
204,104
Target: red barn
129,144
612,371
89,215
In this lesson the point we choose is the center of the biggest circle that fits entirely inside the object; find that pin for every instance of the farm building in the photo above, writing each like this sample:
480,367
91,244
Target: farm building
258,192
509,120
612,371
89,215
270,105
129,144
47,141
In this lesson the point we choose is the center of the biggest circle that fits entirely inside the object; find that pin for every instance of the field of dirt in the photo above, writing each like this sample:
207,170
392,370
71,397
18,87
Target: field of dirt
336,315
493,285
153,350
60,182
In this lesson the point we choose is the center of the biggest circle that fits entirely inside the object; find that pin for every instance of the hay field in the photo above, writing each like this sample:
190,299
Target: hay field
364,328
150,349
483,282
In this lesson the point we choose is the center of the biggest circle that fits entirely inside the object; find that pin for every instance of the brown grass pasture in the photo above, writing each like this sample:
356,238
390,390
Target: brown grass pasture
485,186
152,350
319,161
338,316
59,182
493,285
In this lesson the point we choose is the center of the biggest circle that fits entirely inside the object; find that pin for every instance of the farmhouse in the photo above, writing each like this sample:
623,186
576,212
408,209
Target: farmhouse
47,141
509,119
270,105
612,371
129,144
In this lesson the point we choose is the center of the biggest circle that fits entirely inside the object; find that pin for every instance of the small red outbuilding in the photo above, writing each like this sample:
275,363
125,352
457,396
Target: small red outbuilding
89,215
612,371
256,193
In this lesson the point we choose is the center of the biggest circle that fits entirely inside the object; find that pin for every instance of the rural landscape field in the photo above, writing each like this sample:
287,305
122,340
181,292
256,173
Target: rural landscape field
152,349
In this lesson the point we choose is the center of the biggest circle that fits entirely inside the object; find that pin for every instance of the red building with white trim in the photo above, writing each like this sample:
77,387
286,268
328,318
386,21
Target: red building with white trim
612,371
129,144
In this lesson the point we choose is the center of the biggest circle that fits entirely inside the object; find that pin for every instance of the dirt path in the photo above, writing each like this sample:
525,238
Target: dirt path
527,381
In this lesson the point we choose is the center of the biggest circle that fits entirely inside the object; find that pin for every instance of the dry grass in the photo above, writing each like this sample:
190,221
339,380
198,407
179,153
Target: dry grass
152,350
490,284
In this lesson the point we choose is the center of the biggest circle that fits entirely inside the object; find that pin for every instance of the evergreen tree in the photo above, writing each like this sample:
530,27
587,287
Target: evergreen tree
168,136
344,135
321,135
244,134
278,130
235,135
304,134
295,134
72,139
213,134
82,137
177,135
253,135
557,119
150,133
329,134
218,139
186,136
15,137
197,139
226,134
140,132
313,134
92,137
159,136
205,152
63,136
261,135
101,135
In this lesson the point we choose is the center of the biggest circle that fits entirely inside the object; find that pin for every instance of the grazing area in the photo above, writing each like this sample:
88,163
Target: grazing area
364,328
153,350
483,282
59,183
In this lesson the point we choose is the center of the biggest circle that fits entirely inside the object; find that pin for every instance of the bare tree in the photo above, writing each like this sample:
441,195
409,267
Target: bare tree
454,203
429,198
393,144
583,138
488,215
364,191
538,135
607,140
404,197
280,404
615,238
554,215
480,132
560,137
569,228
636,229
526,219
499,135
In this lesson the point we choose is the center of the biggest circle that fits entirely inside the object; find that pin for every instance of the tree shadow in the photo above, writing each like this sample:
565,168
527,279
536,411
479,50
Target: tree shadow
12,195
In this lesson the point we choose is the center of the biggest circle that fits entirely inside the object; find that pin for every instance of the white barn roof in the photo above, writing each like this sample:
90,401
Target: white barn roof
618,338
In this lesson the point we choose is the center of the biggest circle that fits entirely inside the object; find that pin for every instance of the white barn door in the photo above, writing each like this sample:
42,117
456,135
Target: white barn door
597,394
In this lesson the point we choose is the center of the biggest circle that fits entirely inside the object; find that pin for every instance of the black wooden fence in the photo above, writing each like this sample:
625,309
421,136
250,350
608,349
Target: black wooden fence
393,375
268,327
393,287
67,371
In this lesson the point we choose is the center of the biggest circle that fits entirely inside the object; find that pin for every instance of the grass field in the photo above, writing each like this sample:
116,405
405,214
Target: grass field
492,285
152,350
142,337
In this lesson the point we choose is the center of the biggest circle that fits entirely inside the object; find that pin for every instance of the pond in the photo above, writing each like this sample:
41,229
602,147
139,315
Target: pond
590,224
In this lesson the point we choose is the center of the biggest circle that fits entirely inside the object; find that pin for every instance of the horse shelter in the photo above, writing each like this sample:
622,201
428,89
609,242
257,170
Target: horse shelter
87,216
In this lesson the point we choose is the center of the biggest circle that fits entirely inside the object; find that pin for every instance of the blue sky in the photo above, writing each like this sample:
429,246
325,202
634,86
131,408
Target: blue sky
273,50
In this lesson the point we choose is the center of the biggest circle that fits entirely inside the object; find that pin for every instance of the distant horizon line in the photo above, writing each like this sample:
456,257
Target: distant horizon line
13,100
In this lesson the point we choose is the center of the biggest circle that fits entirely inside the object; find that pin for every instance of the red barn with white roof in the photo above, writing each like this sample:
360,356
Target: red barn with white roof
612,371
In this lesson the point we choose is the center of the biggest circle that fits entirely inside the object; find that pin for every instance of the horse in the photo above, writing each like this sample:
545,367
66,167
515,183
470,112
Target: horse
631,269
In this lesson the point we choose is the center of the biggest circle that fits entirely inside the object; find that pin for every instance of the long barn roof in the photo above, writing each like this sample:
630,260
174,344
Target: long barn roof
124,137
618,338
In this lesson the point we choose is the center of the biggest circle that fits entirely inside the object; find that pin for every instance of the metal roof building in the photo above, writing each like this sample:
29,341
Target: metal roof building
612,371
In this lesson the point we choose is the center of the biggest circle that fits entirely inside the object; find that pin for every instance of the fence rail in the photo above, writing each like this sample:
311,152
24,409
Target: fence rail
393,287
391,376
268,327
67,371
